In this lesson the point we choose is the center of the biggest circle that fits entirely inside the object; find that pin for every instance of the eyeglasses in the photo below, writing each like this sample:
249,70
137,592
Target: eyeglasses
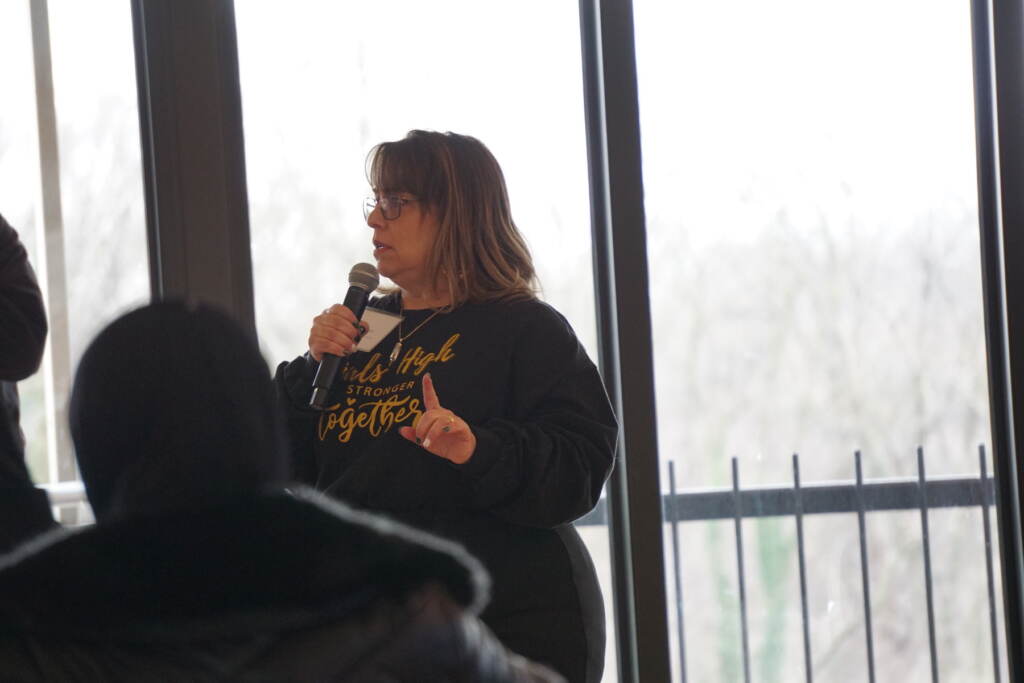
390,206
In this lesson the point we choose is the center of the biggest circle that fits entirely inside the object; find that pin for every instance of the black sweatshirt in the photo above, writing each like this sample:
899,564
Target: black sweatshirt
545,431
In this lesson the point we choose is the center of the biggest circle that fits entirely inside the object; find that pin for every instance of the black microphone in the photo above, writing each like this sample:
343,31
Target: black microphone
362,280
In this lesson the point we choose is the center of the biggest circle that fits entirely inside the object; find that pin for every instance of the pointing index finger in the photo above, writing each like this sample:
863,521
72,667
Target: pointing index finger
430,401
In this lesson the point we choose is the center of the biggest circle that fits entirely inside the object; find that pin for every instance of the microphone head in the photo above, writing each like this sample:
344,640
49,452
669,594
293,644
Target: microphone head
364,276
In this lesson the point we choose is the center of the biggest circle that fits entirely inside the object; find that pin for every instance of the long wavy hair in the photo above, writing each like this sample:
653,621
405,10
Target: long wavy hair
480,254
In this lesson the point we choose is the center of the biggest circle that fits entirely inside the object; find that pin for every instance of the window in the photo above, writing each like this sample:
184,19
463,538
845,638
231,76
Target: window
80,168
816,290
343,77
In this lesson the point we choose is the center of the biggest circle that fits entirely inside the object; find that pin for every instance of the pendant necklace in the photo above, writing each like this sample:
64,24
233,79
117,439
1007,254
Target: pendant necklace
397,349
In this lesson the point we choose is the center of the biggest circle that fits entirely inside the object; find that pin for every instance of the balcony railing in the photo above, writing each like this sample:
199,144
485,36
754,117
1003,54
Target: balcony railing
856,497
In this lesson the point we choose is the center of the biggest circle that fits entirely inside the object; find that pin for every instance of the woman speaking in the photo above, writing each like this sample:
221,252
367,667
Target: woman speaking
479,417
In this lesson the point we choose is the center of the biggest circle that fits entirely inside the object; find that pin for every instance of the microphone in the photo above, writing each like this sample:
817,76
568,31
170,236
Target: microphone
362,280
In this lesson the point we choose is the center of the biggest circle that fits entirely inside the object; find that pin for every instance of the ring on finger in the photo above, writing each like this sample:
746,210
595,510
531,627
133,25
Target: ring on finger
448,427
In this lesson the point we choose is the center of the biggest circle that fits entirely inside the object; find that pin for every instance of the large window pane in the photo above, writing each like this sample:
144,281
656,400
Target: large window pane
809,177
344,76
19,173
101,168
102,229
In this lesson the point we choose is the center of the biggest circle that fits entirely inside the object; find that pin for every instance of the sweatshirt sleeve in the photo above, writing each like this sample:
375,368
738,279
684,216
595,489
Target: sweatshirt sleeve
24,509
23,324
292,382
546,462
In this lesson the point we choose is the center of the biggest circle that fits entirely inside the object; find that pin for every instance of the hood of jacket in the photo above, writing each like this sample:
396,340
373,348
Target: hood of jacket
172,407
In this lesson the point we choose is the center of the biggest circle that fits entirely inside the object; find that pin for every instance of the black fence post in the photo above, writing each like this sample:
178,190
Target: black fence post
864,574
798,513
926,550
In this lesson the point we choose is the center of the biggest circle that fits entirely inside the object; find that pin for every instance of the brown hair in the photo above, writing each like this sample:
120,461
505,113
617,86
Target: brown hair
479,254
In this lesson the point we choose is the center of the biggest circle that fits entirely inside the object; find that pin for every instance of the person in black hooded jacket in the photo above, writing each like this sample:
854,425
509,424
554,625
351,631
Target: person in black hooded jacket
202,564
24,509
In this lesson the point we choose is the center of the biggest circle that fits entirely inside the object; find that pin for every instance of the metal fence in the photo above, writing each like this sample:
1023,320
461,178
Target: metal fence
856,497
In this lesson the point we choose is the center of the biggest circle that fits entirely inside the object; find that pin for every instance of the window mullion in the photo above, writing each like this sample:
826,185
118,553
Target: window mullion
50,259
620,262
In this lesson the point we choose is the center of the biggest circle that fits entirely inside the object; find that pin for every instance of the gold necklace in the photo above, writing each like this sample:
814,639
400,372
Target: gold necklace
397,349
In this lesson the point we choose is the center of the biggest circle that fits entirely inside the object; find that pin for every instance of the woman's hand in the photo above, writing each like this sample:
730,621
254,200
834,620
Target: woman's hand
439,430
335,331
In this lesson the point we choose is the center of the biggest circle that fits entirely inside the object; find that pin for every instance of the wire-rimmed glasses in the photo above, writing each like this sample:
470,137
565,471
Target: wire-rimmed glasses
390,206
